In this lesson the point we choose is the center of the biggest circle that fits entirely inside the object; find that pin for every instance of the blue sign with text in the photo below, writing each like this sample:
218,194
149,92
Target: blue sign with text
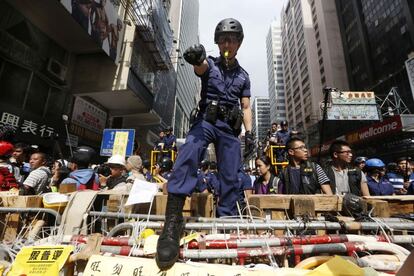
108,139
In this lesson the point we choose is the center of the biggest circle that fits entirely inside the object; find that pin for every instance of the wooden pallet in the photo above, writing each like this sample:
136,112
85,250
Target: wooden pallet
392,205
281,206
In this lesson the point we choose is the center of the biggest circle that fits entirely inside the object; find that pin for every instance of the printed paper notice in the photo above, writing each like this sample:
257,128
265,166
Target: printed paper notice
141,192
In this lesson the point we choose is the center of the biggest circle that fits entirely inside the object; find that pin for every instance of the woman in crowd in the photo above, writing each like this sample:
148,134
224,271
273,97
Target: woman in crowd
267,182
60,171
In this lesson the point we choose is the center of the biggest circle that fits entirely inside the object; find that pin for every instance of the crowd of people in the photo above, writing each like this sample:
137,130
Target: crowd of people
32,172
29,171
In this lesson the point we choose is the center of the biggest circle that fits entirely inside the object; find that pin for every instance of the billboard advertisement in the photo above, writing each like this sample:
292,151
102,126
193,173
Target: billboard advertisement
88,116
99,18
350,105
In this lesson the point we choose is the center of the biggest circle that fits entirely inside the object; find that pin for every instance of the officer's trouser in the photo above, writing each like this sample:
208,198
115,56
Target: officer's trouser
184,177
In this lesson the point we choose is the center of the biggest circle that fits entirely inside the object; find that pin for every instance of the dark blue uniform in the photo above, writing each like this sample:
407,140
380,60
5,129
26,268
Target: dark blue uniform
282,137
410,189
227,87
201,185
383,187
169,141
212,183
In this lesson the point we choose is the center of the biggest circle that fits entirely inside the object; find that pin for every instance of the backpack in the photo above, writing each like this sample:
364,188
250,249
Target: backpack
92,184
44,187
7,179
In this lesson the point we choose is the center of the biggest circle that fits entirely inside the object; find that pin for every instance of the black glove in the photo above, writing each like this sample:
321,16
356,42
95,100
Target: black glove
195,55
248,143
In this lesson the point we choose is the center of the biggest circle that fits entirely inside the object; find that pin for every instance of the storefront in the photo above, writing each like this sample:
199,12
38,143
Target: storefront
388,140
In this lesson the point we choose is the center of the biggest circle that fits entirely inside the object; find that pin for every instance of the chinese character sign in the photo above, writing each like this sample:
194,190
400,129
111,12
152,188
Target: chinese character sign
88,116
26,126
40,260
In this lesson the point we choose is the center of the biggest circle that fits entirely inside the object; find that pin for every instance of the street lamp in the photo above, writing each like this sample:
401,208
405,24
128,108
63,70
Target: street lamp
326,91
65,119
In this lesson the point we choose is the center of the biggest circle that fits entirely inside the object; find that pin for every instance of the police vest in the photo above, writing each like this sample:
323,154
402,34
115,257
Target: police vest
272,186
354,180
309,179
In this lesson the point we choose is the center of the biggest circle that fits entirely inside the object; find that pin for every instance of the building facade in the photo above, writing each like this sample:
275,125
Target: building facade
313,58
184,21
302,78
261,117
100,64
377,38
276,88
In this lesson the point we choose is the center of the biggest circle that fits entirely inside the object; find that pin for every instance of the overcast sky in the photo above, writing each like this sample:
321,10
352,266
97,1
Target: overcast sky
255,16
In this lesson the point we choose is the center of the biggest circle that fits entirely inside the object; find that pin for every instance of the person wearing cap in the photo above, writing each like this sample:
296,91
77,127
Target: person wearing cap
359,162
7,174
170,139
283,136
224,105
117,179
134,168
378,184
82,175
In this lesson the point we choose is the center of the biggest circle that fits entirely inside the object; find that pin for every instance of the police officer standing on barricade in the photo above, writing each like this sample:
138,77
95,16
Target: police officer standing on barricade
224,105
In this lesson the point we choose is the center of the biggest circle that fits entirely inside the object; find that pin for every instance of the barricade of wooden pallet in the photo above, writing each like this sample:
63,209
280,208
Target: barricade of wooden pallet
11,223
289,206
386,206
199,204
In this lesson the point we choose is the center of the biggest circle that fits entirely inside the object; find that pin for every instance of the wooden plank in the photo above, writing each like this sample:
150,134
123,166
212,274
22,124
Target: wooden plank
13,220
393,197
161,204
400,207
302,207
322,202
380,208
278,215
202,205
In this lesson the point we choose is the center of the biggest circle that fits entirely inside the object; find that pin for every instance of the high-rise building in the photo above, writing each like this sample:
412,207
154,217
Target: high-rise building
184,21
312,59
331,58
261,117
377,38
302,78
276,87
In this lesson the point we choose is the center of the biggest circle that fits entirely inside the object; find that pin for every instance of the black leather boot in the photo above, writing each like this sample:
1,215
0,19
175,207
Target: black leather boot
168,247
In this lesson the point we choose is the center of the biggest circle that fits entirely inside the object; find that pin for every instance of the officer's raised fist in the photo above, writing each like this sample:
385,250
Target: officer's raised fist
195,55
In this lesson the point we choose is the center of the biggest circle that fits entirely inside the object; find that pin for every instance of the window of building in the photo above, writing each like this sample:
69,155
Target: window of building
56,103
13,83
37,96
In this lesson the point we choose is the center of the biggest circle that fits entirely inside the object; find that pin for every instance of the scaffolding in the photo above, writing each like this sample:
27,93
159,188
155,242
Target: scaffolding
392,104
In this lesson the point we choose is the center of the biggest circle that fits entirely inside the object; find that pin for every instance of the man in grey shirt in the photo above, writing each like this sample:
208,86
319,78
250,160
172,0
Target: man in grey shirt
343,177
38,180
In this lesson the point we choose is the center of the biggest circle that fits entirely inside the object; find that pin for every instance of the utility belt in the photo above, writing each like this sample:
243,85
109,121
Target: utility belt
233,116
